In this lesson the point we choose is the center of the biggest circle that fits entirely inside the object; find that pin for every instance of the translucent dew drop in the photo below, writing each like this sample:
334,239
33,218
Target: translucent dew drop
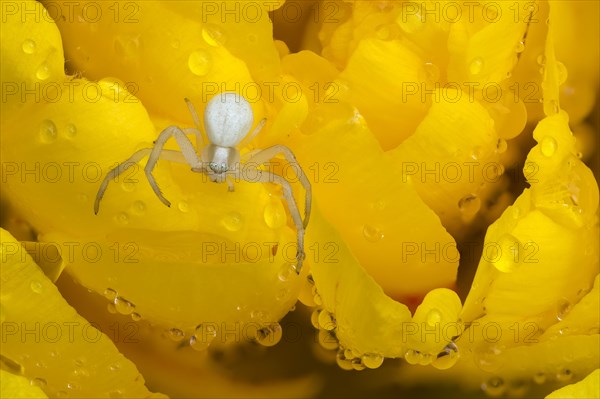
326,320
287,272
71,131
328,340
270,335
564,374
122,218
28,46
213,36
494,386
469,204
476,66
509,254
200,62
110,294
314,317
501,146
349,353
136,316
412,356
183,206
43,72
123,306
539,378
371,233
233,221
562,309
520,47
433,317
548,146
274,215
38,382
343,362
358,365
447,357
372,360
48,131
36,286
175,334
561,72
138,208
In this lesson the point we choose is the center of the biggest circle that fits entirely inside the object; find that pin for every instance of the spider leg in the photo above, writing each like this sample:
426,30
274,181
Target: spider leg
187,149
248,139
269,153
199,138
268,177
169,155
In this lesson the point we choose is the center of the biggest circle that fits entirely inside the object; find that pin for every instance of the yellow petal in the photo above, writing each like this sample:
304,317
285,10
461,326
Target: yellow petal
165,51
16,386
53,345
589,387
451,157
344,161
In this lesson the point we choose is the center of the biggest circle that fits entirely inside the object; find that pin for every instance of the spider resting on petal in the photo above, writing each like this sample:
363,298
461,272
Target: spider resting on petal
227,119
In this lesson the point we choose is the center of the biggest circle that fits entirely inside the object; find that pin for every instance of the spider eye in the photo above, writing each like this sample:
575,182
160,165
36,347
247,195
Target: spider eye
218,167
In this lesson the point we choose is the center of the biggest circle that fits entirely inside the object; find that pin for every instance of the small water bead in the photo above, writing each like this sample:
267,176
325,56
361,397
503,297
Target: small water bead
233,221
469,204
551,107
43,72
371,233
112,309
425,359
562,309
510,254
358,365
72,385
287,272
520,47
48,131
446,358
38,382
128,185
175,334
412,356
343,362
213,36
314,317
494,386
138,208
28,46
71,131
326,320
541,59
200,62
561,72
274,215
548,146
372,360
122,218
501,146
349,353
433,317
110,294
270,335
328,339
283,294
318,300
114,367
123,306
539,378
36,286
564,375
183,206
476,66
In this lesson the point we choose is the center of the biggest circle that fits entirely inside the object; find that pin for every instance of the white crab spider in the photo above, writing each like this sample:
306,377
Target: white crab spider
227,120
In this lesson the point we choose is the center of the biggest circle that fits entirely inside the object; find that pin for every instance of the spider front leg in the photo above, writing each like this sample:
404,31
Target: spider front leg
260,157
169,155
268,177
187,149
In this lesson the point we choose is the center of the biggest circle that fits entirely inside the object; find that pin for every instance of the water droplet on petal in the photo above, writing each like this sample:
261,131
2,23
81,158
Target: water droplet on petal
28,46
372,360
561,72
110,294
469,204
200,62
562,309
433,317
446,358
71,131
122,218
548,146
123,306
371,233
183,206
564,375
43,72
494,386
343,362
509,254
175,334
139,208
328,339
274,215
38,382
36,286
520,47
136,316
501,146
270,335
476,66
48,131
539,378
412,356
233,221
326,320
213,36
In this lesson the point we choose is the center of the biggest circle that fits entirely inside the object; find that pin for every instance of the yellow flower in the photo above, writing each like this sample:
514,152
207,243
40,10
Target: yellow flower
408,118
